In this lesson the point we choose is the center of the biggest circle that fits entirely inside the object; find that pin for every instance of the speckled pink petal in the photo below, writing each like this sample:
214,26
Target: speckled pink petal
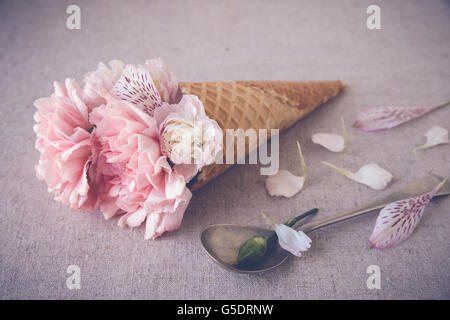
398,220
135,85
382,118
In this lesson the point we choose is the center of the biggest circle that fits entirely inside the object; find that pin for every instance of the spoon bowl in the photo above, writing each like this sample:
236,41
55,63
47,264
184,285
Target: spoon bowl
223,241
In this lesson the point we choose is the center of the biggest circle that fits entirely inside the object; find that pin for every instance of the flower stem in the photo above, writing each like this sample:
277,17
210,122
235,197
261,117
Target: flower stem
443,104
346,173
440,185
344,130
420,148
302,159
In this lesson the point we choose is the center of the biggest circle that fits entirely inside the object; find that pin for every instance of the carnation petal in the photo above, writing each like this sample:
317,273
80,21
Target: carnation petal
64,144
136,219
159,222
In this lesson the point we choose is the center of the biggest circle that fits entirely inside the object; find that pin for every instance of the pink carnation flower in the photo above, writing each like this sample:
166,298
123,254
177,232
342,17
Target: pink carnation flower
64,141
133,176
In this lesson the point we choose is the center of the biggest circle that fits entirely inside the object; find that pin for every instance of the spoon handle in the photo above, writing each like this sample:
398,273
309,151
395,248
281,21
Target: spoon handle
413,189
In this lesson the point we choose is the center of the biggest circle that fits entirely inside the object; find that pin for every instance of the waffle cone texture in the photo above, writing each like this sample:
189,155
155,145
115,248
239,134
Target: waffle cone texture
257,105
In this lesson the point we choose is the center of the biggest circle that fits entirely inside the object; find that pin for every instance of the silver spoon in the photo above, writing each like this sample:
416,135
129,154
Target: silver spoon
223,241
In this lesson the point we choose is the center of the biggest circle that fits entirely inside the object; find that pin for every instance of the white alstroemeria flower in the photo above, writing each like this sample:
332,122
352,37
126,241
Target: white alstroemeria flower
435,136
371,175
283,183
331,141
289,239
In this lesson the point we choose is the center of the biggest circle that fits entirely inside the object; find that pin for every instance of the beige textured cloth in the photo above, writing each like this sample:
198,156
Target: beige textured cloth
407,62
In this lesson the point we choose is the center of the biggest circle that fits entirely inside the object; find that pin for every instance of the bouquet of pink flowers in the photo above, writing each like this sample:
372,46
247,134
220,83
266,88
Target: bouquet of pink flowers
133,138
127,143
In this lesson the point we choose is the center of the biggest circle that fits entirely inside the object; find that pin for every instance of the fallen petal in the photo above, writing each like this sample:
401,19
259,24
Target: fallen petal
382,118
283,183
435,136
331,141
370,174
397,221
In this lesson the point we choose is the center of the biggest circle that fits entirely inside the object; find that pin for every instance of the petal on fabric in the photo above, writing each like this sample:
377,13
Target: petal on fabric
373,176
435,136
283,183
370,174
382,118
331,141
397,221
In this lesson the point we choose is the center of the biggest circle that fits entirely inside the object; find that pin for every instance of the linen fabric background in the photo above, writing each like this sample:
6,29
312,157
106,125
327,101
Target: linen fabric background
405,63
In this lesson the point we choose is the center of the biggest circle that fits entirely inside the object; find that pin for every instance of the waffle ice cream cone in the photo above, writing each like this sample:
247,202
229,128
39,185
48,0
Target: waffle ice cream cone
257,105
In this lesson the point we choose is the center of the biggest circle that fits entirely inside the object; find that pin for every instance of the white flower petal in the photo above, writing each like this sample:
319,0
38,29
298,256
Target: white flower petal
371,175
284,183
331,141
435,136
291,240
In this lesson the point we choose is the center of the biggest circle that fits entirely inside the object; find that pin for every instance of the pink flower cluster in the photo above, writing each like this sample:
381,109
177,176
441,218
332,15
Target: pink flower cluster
101,146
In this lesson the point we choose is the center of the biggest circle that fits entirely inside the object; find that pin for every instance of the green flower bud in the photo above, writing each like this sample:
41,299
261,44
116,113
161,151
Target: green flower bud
252,250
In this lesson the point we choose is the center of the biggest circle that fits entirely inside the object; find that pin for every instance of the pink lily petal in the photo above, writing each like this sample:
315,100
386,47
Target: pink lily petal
135,85
398,220
388,117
